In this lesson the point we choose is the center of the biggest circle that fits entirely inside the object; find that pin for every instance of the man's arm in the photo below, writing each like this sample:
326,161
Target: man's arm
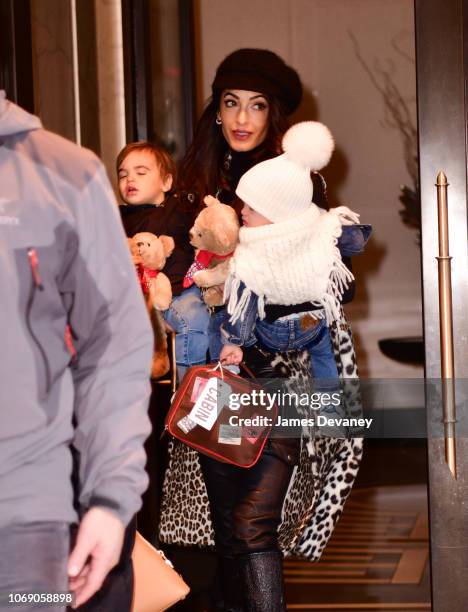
114,343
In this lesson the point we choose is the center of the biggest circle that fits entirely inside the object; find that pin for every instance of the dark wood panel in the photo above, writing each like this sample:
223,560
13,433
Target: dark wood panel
135,25
88,75
442,129
186,33
16,75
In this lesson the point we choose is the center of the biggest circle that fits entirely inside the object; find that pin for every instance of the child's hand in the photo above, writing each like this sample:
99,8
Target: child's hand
231,354
347,216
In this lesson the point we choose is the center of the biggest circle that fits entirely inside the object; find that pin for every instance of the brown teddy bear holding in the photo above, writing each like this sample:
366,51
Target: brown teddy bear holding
149,254
153,252
215,234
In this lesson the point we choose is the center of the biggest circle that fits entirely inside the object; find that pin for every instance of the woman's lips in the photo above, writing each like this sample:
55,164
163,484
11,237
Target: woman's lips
241,134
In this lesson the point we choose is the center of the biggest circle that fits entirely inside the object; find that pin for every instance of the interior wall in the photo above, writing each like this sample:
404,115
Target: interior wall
368,167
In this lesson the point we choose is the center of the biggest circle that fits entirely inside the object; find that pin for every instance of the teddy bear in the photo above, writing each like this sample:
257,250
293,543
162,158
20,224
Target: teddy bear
153,252
149,254
215,234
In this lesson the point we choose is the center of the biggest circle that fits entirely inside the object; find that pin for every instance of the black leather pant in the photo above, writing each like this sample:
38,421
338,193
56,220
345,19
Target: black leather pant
246,504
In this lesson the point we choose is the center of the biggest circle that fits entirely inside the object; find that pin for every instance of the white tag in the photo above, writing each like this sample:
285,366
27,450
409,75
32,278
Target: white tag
205,409
229,434
224,392
186,424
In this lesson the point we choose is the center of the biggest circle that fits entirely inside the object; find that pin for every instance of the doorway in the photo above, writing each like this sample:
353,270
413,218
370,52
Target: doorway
359,62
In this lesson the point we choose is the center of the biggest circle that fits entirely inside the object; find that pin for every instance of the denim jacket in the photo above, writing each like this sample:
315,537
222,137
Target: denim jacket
241,333
353,239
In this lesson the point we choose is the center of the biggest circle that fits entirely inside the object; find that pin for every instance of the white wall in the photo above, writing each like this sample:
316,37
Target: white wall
368,166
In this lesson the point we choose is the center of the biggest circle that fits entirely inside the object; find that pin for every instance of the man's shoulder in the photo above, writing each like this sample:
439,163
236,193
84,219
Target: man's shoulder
73,164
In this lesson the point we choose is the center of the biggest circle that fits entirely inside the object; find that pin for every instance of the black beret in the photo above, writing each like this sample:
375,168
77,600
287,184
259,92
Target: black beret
259,70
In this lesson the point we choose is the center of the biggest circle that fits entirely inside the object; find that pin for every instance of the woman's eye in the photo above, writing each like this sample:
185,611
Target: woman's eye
229,103
260,106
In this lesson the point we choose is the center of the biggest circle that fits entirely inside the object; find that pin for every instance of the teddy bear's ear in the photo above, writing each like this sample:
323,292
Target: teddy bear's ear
222,237
210,200
168,244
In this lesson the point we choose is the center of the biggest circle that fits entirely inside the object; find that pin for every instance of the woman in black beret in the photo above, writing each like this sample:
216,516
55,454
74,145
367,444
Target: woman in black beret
253,93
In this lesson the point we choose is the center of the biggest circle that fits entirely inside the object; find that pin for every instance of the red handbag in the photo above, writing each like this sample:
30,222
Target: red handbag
222,415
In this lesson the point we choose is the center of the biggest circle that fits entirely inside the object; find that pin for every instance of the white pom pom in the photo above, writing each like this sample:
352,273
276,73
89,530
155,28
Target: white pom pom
309,144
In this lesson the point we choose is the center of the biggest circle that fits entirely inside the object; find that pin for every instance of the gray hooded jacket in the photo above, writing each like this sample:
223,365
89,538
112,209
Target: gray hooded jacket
64,261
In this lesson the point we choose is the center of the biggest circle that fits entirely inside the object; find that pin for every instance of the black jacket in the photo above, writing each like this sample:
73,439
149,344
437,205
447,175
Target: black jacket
171,219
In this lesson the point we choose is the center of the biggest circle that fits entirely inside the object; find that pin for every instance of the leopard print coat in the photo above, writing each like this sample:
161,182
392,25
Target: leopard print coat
320,484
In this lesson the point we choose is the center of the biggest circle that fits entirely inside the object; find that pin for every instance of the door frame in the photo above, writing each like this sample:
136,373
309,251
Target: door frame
441,90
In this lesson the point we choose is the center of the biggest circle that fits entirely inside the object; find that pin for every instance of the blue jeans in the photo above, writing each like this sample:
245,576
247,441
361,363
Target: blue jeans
34,559
289,335
214,333
188,316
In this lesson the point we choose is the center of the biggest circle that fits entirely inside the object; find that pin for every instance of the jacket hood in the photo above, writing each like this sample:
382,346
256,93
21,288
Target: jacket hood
14,119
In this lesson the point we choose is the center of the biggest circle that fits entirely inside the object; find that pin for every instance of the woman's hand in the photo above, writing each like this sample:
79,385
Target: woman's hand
231,354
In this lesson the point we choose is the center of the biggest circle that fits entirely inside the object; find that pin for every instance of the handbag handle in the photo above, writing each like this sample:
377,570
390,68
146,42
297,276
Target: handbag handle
242,364
246,368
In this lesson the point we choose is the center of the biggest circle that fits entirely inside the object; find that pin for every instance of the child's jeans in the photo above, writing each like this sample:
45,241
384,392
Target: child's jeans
215,345
188,316
302,332
298,332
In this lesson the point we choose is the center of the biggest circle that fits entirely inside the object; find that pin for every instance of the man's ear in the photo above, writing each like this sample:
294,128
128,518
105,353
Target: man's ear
167,183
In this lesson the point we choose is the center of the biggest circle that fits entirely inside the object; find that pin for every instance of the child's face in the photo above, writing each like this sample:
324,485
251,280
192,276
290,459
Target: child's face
252,218
140,180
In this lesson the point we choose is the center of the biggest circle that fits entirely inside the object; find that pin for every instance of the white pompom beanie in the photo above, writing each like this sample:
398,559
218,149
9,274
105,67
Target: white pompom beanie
281,188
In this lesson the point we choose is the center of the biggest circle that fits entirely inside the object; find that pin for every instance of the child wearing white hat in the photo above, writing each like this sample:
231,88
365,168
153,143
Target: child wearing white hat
287,260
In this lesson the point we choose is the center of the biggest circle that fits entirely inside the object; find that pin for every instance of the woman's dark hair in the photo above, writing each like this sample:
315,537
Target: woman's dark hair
200,170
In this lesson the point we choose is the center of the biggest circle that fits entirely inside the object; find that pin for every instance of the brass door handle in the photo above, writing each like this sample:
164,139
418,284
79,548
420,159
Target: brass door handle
446,326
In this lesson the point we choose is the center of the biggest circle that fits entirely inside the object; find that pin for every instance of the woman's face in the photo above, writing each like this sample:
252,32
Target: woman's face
244,118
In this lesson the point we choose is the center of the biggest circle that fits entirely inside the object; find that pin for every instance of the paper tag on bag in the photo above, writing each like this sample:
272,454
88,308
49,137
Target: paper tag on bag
210,402
224,393
198,386
186,424
229,434
252,434
224,390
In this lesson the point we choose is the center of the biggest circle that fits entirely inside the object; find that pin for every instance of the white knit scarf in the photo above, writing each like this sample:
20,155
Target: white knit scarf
289,263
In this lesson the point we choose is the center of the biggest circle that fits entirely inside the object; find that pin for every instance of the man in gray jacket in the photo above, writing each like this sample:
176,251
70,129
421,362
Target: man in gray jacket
75,362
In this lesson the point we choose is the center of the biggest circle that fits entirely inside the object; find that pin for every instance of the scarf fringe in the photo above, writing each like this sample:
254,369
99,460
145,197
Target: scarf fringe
339,280
236,307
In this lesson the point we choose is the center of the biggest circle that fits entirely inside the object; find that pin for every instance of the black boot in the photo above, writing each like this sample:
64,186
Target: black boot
262,581
227,591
